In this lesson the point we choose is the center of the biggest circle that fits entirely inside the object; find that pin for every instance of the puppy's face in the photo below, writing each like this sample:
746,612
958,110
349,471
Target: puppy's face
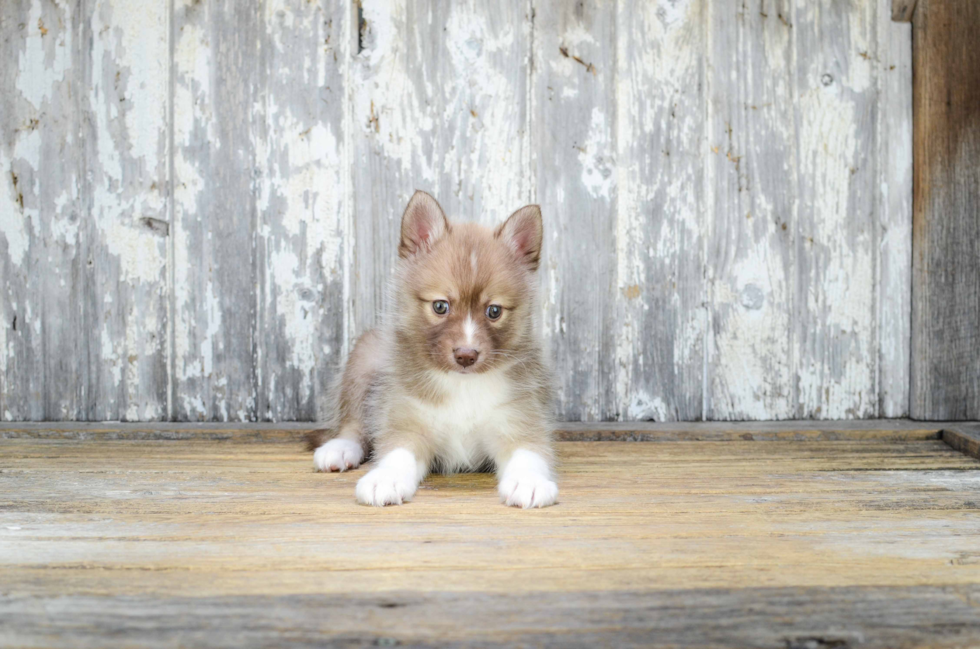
465,297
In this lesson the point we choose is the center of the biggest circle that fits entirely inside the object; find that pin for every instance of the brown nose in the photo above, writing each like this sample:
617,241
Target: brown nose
465,357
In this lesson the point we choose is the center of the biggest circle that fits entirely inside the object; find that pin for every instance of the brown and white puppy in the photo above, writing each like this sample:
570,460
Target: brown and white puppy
455,380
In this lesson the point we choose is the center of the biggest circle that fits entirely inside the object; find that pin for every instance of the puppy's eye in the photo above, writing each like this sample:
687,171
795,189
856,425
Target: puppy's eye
494,311
441,307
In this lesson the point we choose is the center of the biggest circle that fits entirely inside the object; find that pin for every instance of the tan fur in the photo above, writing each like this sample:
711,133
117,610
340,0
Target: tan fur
401,373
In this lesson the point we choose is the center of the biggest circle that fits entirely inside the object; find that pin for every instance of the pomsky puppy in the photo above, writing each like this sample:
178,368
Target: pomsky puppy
455,379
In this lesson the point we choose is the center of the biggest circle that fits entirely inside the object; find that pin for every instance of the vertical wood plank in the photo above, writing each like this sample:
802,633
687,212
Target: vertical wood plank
835,229
215,218
659,210
894,155
750,263
439,103
85,212
127,167
41,207
300,131
946,226
573,162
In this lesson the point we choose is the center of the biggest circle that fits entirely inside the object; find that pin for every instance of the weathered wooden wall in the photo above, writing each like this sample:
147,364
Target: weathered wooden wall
946,261
199,199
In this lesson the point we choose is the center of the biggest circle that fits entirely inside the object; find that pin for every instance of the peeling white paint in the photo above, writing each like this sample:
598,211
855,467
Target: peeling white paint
44,60
668,185
14,223
598,164
644,407
841,386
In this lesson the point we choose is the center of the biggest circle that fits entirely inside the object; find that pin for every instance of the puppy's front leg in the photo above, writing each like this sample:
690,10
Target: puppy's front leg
526,478
395,478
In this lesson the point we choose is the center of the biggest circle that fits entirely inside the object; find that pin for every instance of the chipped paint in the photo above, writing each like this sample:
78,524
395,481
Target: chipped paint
722,241
16,224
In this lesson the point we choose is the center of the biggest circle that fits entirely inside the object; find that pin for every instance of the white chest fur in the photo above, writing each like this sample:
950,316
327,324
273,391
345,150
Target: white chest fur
473,413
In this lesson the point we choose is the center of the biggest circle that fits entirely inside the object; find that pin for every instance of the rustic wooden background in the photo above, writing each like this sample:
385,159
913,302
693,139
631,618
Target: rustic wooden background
199,199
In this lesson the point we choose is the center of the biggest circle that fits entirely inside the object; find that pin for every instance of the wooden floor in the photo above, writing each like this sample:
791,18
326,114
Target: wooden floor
873,542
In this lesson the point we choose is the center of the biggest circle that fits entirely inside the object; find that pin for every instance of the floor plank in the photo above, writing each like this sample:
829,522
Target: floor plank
736,543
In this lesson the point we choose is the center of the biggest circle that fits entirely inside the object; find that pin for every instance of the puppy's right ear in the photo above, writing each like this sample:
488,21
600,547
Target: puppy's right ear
423,224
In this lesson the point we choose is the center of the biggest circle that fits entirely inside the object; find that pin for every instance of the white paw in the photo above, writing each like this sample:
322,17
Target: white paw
527,490
338,455
526,482
381,486
393,482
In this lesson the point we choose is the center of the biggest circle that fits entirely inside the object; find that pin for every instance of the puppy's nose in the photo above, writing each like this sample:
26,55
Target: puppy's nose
465,357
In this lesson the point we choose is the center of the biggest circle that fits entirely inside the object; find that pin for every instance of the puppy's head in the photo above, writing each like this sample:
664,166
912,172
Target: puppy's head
465,292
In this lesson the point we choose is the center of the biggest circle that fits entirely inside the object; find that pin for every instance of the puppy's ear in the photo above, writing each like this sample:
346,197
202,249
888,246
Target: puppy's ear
423,223
523,233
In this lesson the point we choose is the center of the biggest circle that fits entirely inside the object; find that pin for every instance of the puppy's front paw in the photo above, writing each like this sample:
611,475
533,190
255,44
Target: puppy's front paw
338,455
527,489
385,486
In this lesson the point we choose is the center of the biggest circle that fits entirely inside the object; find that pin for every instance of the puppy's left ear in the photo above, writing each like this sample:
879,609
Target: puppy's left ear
522,231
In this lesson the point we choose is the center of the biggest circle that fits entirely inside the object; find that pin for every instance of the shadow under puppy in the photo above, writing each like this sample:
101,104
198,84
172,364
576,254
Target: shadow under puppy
455,380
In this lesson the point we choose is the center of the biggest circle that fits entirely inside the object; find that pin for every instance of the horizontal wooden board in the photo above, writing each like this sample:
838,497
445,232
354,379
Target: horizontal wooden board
727,544
963,437
777,618
893,429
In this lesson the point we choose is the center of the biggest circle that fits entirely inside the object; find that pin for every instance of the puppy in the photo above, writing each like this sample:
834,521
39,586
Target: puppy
455,380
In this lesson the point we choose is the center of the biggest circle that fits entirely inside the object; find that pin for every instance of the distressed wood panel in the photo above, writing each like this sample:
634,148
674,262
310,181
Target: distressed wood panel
258,286
835,231
36,78
127,167
894,214
215,261
84,211
659,210
725,189
946,230
302,179
439,103
573,163
751,185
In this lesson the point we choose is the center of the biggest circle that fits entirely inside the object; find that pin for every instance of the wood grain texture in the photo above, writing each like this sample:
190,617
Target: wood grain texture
83,211
303,230
197,219
767,618
645,431
660,218
903,10
258,263
871,543
964,438
32,88
945,381
894,214
214,257
753,193
439,104
834,228
574,167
